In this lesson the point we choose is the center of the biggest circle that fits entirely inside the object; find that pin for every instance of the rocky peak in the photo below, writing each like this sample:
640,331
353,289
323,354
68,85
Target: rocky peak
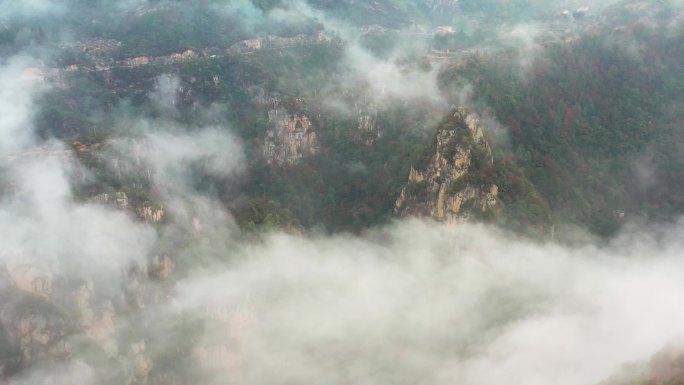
453,185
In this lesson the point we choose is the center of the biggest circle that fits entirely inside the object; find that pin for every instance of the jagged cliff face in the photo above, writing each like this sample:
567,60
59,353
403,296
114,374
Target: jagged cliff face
145,211
666,367
367,118
452,186
98,46
222,354
34,329
291,139
47,319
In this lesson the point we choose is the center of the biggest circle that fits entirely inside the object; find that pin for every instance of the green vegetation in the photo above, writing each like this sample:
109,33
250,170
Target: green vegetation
417,188
580,125
579,118
261,214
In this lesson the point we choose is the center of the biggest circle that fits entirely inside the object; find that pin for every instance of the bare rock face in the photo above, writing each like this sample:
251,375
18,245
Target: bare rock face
443,7
34,327
151,214
453,186
50,320
118,199
667,366
230,328
146,211
140,364
291,138
367,117
96,321
31,279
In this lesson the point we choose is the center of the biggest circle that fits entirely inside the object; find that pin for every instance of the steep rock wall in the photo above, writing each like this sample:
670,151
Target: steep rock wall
291,138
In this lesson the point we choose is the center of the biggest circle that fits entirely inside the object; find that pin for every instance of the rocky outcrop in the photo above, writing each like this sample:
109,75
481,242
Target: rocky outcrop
291,138
32,327
367,118
230,326
453,186
275,42
118,199
96,47
48,318
96,322
51,319
666,367
31,279
140,364
146,211
161,267
150,213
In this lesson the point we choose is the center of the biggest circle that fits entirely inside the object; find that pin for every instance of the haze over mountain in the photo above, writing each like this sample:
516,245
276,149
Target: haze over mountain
344,192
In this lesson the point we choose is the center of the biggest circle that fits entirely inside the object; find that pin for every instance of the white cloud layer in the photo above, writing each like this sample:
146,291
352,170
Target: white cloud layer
441,304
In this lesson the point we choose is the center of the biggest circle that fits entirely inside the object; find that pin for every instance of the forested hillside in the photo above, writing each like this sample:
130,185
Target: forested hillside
570,112
592,122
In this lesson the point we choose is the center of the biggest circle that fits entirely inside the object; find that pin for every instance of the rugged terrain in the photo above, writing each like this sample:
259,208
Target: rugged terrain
454,185
152,144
